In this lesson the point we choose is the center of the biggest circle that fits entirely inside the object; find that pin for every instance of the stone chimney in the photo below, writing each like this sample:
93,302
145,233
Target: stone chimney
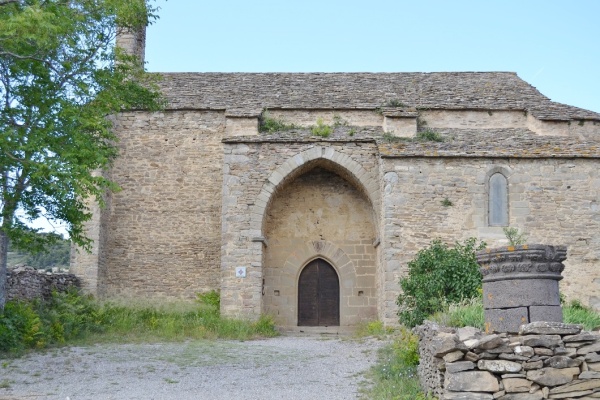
132,42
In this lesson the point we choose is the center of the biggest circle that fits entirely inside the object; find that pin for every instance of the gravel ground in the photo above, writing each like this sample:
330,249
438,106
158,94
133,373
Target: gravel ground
286,367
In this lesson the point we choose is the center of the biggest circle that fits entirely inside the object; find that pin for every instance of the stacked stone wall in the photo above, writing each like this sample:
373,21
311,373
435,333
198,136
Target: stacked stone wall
164,235
26,283
545,361
552,200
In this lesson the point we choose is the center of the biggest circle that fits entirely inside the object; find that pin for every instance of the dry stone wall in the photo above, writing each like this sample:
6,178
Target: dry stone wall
545,361
27,283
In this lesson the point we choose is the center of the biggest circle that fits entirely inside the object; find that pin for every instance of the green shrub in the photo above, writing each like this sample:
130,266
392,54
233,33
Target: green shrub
438,275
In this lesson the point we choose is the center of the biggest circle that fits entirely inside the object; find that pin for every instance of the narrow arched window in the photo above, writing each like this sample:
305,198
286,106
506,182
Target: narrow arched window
498,200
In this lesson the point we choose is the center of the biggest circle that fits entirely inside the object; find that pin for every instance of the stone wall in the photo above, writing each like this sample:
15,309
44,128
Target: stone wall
545,361
164,235
27,283
253,172
552,200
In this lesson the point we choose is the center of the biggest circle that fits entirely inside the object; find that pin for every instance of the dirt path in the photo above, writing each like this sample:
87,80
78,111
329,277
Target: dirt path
287,367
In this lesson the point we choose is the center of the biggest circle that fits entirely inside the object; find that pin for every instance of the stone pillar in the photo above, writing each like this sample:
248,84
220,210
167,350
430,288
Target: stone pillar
132,42
520,285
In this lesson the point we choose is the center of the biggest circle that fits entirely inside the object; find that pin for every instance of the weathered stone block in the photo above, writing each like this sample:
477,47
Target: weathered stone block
549,328
499,366
505,320
521,293
471,381
553,376
516,385
546,313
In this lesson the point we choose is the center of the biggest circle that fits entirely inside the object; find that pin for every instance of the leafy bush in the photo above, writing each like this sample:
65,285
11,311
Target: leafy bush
39,324
439,275
211,300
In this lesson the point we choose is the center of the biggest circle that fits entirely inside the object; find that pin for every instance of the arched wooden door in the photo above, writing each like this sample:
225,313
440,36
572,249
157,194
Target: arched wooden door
318,295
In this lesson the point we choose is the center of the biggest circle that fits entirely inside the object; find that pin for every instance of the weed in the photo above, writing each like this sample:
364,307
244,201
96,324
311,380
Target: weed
395,374
352,132
490,113
447,202
395,103
5,384
581,122
429,135
321,129
268,124
391,138
168,380
515,238
339,121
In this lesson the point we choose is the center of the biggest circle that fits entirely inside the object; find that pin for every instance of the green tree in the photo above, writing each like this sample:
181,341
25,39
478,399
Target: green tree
60,81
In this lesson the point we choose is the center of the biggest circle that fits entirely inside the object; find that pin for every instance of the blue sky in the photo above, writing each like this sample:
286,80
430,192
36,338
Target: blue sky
553,45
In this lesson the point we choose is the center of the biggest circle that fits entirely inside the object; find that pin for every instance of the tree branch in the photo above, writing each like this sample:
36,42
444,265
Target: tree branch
6,2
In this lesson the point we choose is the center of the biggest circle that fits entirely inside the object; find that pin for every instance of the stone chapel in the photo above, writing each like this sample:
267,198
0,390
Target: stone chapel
304,195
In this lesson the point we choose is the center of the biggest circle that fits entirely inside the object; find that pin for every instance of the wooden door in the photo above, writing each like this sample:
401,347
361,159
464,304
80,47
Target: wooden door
318,295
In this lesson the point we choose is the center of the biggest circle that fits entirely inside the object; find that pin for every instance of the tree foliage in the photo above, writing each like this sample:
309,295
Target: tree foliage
439,275
60,80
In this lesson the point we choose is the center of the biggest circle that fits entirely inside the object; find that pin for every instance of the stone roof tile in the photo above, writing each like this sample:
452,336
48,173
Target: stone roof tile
246,93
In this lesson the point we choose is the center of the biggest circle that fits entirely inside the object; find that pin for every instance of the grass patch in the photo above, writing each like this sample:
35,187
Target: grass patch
576,313
395,374
465,313
72,318
470,313
373,328
429,135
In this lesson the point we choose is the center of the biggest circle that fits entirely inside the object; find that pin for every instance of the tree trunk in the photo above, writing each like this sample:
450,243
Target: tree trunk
3,269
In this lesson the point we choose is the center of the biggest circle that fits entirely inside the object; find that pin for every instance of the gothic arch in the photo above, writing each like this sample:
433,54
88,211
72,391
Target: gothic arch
295,166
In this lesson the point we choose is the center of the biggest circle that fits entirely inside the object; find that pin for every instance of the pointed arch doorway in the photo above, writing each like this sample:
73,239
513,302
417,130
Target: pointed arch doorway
318,295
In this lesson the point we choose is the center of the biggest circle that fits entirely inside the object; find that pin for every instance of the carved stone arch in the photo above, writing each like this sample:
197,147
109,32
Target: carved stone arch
295,166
